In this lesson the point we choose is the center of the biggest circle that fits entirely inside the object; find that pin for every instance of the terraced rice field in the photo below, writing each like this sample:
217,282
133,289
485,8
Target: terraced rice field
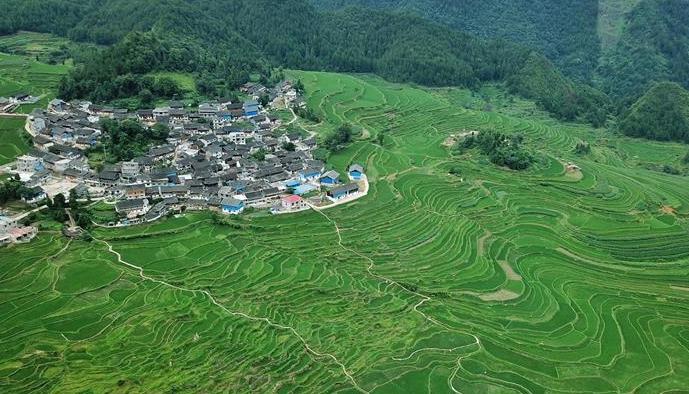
11,142
20,74
31,44
497,281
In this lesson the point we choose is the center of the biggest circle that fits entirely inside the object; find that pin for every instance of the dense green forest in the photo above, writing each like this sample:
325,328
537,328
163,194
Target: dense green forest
654,47
661,114
227,41
652,43
563,30
540,81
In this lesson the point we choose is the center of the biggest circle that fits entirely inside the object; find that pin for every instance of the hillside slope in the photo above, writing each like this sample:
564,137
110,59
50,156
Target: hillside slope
653,47
238,38
565,31
661,114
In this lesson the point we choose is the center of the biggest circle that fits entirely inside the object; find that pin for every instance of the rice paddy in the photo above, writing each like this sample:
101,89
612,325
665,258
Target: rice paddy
12,144
32,44
21,74
492,281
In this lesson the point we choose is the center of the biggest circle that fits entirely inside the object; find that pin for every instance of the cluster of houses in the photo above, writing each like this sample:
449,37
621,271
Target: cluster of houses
11,231
221,155
9,104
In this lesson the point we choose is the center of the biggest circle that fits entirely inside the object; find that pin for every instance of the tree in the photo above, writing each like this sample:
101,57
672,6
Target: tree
259,155
128,138
59,201
582,148
206,85
146,97
380,138
73,203
500,149
289,146
299,86
339,138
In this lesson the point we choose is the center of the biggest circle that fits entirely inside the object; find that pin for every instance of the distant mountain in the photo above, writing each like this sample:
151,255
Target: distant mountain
565,31
660,114
227,41
653,47
622,47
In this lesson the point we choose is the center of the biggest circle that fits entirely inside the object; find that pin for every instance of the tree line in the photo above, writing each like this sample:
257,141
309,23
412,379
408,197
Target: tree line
227,42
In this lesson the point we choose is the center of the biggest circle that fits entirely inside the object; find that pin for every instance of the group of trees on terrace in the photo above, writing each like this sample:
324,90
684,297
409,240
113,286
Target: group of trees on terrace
501,149
128,139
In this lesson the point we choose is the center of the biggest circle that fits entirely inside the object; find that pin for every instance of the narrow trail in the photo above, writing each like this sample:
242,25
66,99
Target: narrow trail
369,268
424,299
233,313
294,119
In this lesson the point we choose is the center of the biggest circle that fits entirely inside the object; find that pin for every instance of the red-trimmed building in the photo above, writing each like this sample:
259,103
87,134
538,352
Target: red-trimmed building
293,203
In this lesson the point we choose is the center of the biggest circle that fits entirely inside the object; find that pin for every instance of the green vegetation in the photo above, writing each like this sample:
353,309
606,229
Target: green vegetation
13,139
540,81
184,81
582,148
565,31
502,150
307,113
338,139
128,139
259,155
492,281
152,37
11,189
122,71
20,74
661,114
103,213
611,20
653,47
46,48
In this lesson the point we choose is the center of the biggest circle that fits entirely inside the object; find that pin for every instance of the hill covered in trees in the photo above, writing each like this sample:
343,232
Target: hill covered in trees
653,47
227,41
564,31
661,114
540,81
622,47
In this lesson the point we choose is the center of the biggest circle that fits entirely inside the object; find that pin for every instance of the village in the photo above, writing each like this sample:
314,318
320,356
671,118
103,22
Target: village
223,156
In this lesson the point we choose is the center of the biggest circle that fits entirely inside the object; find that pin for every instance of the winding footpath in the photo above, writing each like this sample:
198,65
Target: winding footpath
424,299
233,313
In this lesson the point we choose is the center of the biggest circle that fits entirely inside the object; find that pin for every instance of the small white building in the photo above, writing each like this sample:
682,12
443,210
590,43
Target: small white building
130,169
28,163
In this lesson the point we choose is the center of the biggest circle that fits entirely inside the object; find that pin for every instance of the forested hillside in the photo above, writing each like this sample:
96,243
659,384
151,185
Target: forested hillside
227,41
564,30
653,47
661,114
622,46
540,81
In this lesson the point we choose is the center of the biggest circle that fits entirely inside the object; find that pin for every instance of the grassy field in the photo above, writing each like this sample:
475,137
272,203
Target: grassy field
24,74
494,281
184,81
11,142
31,44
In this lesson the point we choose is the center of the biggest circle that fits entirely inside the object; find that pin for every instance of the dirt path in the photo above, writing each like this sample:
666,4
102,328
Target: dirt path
424,298
239,314
294,117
